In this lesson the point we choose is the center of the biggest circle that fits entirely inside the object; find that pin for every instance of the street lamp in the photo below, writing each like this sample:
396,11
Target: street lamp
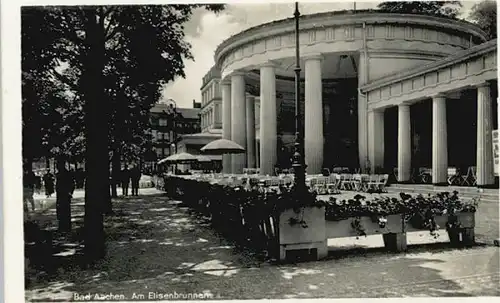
298,156
173,113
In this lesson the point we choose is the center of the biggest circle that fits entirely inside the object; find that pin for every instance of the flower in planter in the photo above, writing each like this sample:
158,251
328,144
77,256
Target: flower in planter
382,221
358,227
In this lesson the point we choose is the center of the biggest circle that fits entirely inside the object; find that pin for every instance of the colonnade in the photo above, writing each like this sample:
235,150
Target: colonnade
238,123
484,156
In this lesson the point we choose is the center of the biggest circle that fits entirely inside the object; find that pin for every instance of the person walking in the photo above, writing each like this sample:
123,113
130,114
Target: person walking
125,178
135,175
48,180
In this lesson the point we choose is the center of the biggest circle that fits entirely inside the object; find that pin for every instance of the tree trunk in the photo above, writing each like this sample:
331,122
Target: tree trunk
115,171
96,110
63,198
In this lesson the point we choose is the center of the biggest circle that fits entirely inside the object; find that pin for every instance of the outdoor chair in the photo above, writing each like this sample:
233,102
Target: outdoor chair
322,185
453,176
383,182
470,178
345,181
373,182
332,184
357,182
363,184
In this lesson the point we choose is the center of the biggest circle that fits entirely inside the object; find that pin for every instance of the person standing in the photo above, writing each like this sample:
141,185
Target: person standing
135,175
38,183
28,190
48,180
72,175
64,192
125,180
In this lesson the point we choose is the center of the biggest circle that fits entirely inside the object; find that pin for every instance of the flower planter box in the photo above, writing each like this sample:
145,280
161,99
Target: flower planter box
297,237
392,232
462,235
343,228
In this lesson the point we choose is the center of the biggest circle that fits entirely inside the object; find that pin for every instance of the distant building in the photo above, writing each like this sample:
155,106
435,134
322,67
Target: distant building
211,102
187,121
210,117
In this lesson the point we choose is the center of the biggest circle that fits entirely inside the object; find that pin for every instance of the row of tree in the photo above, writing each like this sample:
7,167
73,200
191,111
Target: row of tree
90,76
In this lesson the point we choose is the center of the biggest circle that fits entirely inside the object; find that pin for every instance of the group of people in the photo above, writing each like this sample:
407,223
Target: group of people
47,181
65,182
130,176
31,182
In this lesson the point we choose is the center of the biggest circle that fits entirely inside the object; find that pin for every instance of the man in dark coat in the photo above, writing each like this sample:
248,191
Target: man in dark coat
125,180
135,175
64,190
48,180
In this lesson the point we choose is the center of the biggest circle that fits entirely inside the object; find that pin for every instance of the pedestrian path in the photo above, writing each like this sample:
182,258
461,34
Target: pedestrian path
157,246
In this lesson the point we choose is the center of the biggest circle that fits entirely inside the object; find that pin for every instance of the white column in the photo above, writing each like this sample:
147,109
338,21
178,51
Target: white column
238,124
362,112
313,115
257,154
250,118
268,123
439,141
214,121
404,143
226,122
484,157
376,139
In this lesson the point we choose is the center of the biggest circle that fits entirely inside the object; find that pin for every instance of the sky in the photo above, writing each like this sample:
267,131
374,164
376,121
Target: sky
206,30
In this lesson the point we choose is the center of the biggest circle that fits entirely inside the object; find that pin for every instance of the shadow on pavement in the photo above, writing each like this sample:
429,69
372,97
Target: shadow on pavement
158,245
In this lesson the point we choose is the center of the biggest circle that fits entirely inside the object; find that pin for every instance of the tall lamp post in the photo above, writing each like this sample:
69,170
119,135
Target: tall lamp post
298,156
172,112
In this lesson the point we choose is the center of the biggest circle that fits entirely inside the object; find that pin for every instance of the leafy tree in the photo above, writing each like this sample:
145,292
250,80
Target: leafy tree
127,52
447,9
52,124
484,14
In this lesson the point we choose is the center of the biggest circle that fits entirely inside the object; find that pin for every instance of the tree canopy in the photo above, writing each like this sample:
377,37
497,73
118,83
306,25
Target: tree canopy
447,9
484,14
107,65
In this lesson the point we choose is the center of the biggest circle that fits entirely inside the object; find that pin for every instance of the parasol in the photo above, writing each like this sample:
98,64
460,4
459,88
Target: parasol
179,158
221,147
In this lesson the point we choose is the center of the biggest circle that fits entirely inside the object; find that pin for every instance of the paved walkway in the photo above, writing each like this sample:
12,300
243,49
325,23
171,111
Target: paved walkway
155,247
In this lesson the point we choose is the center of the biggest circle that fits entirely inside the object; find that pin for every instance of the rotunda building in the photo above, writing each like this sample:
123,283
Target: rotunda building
341,54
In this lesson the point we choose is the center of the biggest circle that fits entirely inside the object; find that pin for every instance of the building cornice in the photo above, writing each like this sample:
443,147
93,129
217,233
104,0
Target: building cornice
209,83
338,18
475,51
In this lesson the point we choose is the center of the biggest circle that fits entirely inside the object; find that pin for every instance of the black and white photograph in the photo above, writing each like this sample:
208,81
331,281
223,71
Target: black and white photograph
173,151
